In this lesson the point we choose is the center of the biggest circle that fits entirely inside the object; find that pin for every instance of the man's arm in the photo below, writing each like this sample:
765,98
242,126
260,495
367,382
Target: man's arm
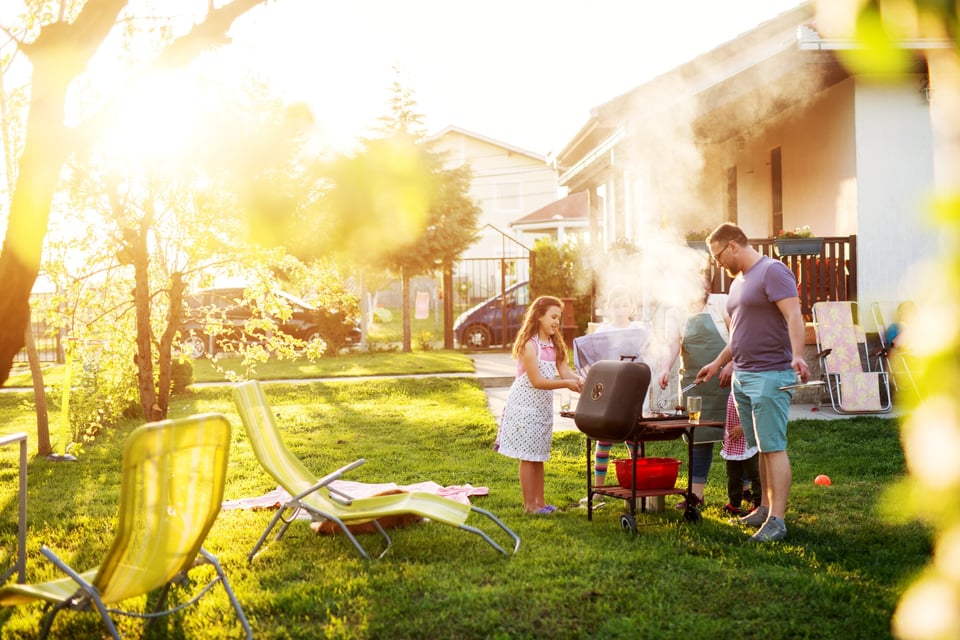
790,309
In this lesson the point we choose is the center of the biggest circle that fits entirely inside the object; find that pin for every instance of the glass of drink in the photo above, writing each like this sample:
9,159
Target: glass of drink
694,405
565,400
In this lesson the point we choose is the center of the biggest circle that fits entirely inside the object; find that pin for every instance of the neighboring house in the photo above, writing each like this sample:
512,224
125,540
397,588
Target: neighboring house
508,182
565,219
770,131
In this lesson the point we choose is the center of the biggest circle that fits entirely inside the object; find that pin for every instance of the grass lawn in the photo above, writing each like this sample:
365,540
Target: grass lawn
838,575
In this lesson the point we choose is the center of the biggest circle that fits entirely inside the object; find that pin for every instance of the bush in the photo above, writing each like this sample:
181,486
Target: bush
181,375
561,271
425,341
103,391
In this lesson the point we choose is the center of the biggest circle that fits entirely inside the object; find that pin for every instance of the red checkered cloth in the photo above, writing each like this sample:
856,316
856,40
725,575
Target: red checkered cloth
734,448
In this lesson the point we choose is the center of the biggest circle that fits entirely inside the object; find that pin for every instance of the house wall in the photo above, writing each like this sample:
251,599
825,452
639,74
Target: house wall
895,176
818,161
857,160
506,185
818,168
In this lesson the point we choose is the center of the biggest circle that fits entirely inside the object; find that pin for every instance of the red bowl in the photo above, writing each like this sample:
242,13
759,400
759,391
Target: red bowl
652,473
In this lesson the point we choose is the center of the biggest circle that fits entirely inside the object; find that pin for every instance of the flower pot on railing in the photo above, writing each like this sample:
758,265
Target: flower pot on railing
799,246
700,245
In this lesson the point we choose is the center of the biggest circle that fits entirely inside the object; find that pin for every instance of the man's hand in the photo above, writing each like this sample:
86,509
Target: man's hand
708,371
726,374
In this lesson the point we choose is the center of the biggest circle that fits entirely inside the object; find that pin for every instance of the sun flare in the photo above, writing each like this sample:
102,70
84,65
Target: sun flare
155,121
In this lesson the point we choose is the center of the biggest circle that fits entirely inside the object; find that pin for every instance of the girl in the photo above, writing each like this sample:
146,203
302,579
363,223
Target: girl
526,427
619,308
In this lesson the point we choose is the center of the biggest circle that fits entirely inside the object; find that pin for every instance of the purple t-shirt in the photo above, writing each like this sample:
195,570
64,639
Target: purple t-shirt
759,339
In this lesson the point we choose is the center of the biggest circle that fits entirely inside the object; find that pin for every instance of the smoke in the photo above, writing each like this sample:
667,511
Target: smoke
691,137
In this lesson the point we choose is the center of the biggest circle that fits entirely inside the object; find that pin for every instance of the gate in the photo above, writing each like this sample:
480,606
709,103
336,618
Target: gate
491,293
46,339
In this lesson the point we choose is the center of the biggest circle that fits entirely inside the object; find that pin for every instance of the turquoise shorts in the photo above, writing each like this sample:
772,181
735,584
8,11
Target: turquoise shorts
763,409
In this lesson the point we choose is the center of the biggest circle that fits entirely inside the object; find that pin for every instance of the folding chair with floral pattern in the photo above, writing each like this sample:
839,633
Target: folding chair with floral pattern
852,386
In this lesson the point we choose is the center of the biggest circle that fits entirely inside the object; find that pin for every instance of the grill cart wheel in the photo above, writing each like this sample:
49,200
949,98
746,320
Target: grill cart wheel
692,514
628,523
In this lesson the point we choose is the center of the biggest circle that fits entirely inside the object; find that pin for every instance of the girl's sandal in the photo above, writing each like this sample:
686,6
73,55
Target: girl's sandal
543,511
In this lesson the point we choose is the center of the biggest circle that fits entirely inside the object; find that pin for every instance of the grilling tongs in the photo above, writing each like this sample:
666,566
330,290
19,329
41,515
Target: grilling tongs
689,386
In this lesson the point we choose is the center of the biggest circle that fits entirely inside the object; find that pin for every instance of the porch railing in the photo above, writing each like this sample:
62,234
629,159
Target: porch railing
830,274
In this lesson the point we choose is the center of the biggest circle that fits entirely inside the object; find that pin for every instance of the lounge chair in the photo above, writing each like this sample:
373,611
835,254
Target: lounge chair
173,474
322,502
891,360
852,386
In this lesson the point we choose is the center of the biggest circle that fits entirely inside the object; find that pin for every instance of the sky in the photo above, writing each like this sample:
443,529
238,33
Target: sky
523,72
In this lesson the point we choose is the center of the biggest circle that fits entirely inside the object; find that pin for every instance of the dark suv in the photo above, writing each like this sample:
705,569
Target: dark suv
483,325
232,318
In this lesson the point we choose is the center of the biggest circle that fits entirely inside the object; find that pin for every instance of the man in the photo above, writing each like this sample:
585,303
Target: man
766,346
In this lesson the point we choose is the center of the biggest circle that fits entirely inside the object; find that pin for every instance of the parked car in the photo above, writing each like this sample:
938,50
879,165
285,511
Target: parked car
483,325
213,318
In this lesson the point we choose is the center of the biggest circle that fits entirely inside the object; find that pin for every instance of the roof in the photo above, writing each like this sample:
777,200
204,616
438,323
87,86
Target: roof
698,75
575,206
482,138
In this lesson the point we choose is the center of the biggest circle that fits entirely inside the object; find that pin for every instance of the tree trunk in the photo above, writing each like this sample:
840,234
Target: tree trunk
405,308
39,393
141,299
174,318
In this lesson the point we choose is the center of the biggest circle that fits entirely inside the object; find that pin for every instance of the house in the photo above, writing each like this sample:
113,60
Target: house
508,182
565,219
770,131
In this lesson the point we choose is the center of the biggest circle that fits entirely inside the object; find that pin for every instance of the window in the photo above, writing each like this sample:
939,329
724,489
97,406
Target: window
730,204
776,190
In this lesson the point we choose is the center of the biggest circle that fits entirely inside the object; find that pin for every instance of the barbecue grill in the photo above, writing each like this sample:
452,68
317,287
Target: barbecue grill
610,408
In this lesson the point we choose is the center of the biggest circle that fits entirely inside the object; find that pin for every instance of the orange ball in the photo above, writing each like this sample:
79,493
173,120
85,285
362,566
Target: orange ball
822,480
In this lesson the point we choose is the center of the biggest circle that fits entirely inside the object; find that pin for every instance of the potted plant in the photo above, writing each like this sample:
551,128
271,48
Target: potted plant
695,238
797,242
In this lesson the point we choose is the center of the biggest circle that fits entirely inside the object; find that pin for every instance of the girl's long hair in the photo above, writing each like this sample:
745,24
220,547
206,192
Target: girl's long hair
531,325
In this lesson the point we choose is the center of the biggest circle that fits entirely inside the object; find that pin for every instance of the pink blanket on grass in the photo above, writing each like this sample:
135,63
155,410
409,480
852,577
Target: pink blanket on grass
277,497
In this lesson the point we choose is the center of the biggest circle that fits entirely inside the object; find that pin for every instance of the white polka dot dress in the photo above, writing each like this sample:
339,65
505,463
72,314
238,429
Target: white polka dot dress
526,426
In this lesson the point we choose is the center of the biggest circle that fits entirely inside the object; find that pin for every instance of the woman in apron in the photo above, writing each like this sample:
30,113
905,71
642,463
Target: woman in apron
703,336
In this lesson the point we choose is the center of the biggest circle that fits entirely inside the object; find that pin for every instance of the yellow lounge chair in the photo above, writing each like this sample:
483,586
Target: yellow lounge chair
173,474
321,502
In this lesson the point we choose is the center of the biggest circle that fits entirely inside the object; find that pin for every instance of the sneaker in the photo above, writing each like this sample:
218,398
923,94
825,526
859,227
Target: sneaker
682,505
597,502
772,530
734,511
755,518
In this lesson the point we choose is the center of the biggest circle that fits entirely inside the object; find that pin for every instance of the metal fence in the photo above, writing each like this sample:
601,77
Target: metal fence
47,341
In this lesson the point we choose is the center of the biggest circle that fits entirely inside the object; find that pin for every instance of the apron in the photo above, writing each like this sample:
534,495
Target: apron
701,344
526,426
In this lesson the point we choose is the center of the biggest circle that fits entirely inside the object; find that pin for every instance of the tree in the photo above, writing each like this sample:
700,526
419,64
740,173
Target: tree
59,53
432,204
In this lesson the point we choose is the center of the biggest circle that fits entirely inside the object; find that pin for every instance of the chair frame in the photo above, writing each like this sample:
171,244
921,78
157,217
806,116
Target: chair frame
323,502
832,378
208,433
885,355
